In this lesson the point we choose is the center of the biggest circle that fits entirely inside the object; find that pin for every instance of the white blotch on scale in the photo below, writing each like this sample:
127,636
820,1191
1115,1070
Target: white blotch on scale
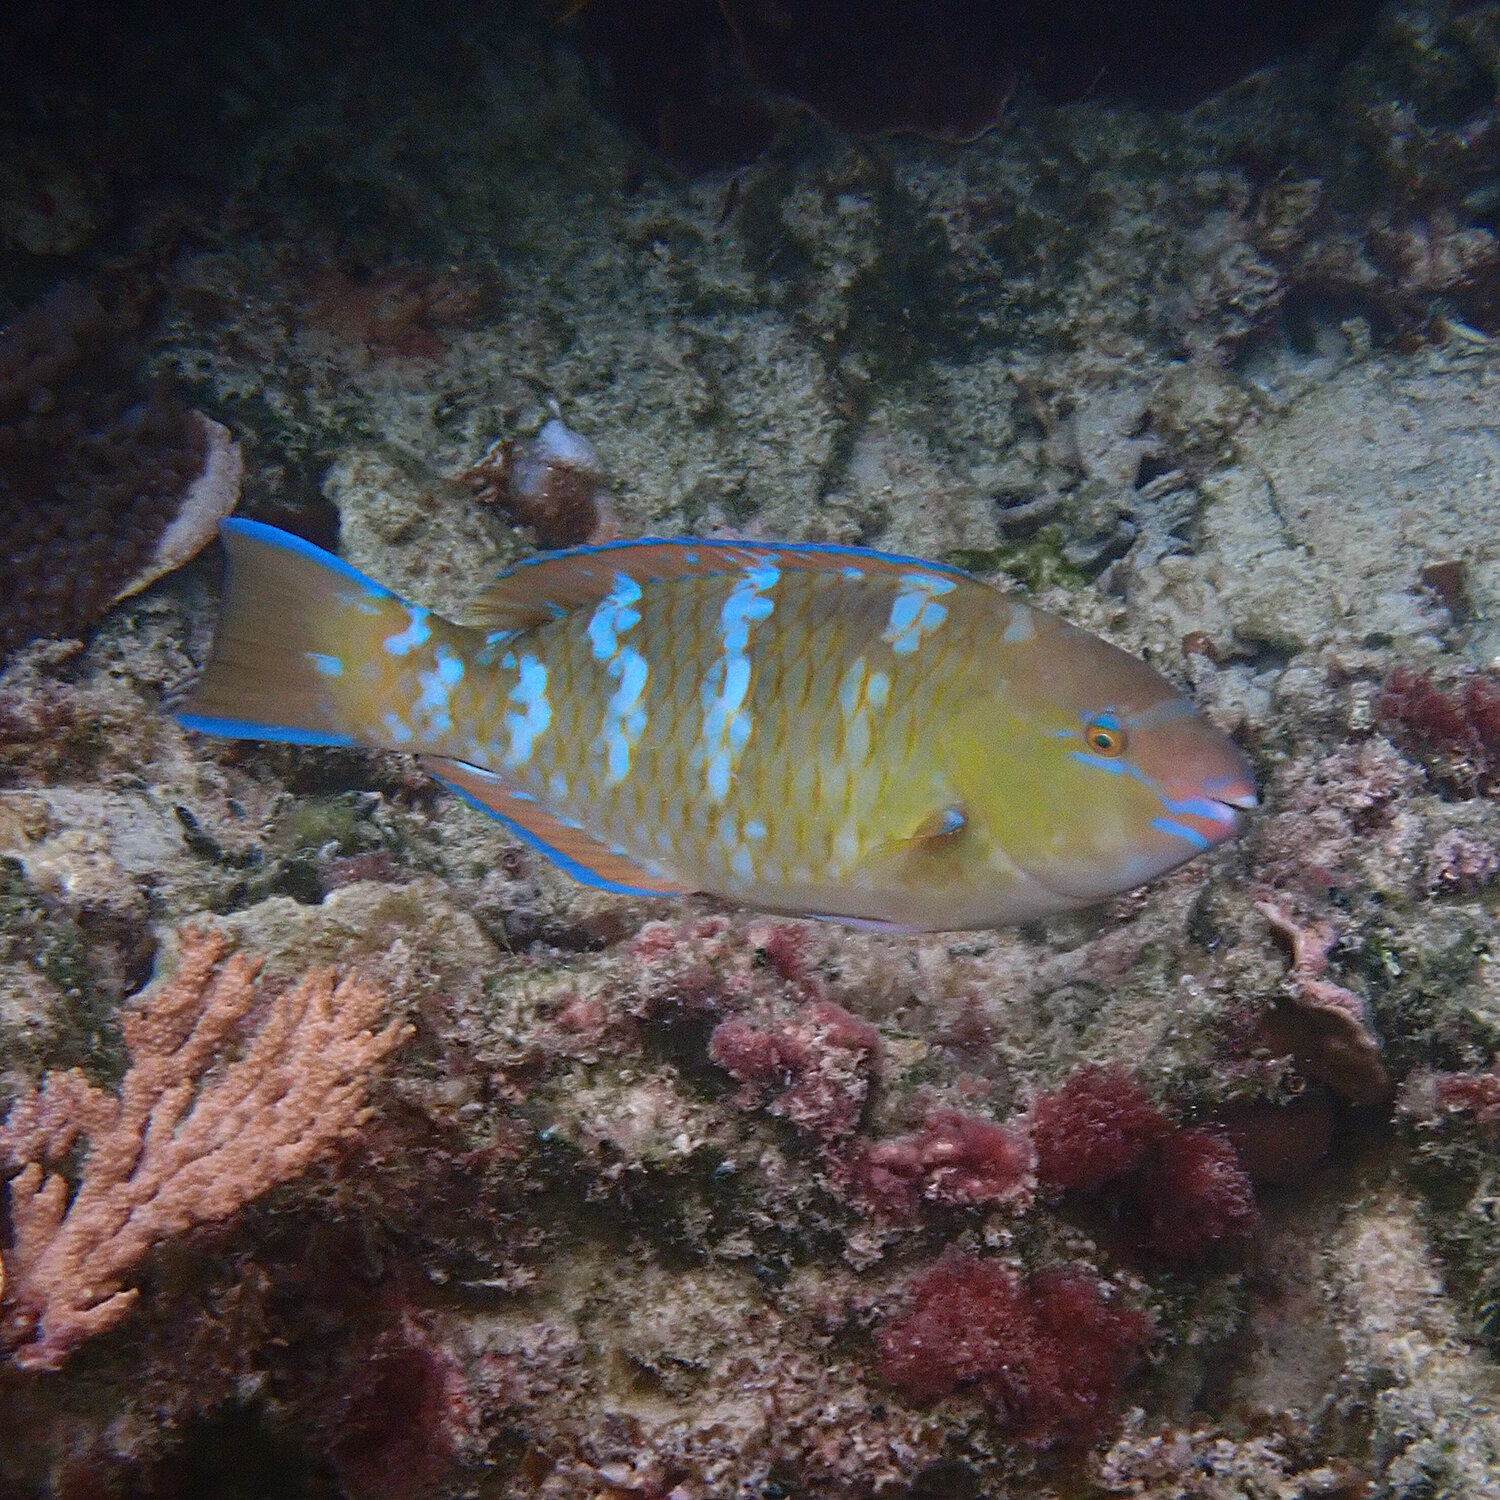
915,611
624,714
1020,627
530,694
417,633
437,686
727,723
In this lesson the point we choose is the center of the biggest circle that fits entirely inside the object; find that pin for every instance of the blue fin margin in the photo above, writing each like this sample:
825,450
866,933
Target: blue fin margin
815,549
581,873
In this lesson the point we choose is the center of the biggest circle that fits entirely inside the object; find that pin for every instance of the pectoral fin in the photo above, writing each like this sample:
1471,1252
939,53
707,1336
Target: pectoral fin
931,853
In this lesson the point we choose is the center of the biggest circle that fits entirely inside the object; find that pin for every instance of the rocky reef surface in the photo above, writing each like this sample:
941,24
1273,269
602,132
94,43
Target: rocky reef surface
1191,1195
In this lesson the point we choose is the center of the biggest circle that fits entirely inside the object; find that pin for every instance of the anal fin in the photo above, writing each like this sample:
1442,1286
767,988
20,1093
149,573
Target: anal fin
571,849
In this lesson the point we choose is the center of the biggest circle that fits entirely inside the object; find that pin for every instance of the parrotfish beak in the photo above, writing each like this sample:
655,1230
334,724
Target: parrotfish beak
1236,794
1211,812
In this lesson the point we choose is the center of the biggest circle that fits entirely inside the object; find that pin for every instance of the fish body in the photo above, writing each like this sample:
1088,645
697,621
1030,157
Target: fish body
816,730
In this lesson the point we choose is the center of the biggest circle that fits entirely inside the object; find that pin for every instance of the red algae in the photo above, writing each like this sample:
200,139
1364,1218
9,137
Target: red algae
1198,1198
821,1064
957,1160
1048,1353
1099,1125
1186,1190
1456,733
400,1416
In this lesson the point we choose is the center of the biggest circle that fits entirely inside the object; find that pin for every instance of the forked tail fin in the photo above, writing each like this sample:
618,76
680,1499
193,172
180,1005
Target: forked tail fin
296,636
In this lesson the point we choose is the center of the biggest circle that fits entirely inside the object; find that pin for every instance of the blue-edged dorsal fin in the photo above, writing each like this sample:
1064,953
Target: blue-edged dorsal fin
571,849
556,583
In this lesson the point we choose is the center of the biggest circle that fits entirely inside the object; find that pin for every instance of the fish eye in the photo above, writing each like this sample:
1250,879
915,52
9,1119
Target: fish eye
1104,737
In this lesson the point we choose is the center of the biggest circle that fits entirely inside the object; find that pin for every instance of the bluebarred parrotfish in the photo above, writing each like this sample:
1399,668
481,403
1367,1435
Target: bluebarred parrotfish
809,729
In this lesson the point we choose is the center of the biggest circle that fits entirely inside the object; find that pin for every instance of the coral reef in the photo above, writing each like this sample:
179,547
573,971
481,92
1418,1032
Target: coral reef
663,1199
180,1145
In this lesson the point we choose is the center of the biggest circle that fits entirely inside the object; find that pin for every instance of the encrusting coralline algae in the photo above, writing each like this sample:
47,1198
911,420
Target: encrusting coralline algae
1185,1195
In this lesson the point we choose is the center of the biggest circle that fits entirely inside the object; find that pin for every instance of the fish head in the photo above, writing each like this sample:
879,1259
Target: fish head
1100,775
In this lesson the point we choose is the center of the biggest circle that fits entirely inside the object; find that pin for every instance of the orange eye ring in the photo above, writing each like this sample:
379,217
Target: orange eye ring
1104,737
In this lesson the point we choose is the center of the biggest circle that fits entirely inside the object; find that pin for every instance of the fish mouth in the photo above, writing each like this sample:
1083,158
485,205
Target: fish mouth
1236,792
1246,801
1209,816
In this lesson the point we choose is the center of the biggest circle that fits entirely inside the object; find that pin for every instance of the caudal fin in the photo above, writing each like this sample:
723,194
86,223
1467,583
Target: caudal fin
297,625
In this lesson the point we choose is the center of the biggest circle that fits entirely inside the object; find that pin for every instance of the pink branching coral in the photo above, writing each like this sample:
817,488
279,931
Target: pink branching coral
1047,1353
192,1137
957,1160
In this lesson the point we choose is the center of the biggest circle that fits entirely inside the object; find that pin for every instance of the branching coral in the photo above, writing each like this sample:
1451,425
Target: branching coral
193,1136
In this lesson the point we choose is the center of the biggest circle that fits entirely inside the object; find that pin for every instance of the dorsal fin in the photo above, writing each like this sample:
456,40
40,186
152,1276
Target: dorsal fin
556,583
570,849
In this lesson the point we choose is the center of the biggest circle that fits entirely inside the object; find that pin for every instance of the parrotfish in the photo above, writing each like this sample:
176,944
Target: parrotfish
817,730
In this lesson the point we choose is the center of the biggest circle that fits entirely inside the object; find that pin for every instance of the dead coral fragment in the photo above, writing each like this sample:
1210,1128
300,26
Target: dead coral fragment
190,1139
1048,1354
1328,1029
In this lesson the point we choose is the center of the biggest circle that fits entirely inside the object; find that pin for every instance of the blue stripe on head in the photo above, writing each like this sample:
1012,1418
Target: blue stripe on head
284,541
1201,807
248,729
1181,831
580,873
1101,763
1115,765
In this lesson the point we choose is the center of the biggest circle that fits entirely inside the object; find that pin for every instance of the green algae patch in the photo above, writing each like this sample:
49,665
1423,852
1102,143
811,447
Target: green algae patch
1036,563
